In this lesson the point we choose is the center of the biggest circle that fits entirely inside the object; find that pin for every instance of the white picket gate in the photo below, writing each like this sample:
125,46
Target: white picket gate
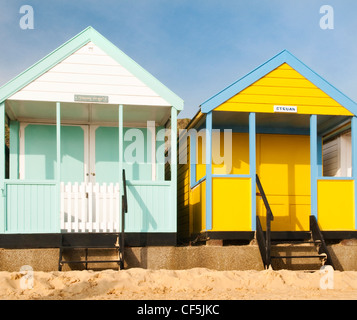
88,207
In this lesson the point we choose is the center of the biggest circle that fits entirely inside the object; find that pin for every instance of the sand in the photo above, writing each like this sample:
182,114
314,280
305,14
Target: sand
197,283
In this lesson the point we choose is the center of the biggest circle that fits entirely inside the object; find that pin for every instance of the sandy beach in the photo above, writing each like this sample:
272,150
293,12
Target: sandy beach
197,283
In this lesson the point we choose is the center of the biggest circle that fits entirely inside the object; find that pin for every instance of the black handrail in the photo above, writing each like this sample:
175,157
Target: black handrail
124,209
261,241
264,243
319,240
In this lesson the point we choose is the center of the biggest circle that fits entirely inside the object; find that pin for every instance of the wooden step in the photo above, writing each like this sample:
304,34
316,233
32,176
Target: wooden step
91,247
68,248
91,261
292,242
320,256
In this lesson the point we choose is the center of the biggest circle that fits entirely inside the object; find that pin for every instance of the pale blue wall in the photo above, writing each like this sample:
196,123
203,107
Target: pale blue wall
150,209
31,200
29,208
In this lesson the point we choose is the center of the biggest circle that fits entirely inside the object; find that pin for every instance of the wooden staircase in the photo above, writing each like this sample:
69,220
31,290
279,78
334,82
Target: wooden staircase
308,254
100,242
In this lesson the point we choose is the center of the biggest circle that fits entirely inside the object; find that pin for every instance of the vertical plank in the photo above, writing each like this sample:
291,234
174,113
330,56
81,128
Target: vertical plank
209,171
193,157
58,141
117,206
40,208
313,164
69,206
90,206
319,157
11,203
46,216
354,160
56,212
34,208
14,149
173,209
97,206
62,205
2,168
111,207
121,158
252,167
82,192
21,194
104,206
151,147
76,210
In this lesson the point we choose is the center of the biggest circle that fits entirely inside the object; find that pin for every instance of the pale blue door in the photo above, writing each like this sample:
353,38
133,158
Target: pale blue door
104,162
32,205
40,153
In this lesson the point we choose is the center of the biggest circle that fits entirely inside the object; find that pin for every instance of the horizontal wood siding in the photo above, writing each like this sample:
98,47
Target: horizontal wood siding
32,208
331,158
283,86
337,156
149,208
90,71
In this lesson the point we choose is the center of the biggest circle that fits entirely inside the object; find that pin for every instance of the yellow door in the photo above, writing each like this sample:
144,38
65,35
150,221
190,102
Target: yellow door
283,166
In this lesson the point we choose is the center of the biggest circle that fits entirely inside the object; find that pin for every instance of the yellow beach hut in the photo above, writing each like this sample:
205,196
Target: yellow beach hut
281,125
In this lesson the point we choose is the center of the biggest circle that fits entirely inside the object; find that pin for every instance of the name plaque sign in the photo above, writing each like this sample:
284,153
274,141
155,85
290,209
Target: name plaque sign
87,98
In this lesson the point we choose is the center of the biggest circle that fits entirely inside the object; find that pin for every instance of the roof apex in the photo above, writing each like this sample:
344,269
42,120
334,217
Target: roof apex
282,57
89,34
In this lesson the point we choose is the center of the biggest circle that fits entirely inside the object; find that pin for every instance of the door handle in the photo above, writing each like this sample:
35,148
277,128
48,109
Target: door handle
93,174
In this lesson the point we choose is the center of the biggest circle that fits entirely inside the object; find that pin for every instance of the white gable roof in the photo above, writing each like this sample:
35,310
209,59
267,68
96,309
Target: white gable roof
90,71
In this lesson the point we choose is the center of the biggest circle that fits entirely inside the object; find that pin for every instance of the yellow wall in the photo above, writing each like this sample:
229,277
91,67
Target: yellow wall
283,86
231,204
240,155
335,203
200,157
198,208
283,166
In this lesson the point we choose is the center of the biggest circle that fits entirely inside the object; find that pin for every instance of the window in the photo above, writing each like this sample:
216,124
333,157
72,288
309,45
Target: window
337,155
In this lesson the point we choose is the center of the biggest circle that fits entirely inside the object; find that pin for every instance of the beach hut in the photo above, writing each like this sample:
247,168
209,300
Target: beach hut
281,125
77,119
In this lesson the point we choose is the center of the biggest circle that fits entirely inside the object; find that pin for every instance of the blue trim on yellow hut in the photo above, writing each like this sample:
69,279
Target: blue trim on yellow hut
282,117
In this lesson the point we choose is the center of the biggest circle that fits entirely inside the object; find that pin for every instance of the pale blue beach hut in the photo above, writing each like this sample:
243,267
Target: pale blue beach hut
76,119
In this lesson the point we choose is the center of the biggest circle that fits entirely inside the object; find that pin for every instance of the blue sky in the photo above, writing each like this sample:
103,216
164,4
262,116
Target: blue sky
195,47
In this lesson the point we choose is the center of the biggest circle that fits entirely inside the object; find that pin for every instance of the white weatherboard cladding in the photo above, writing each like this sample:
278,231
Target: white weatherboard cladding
337,156
90,71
